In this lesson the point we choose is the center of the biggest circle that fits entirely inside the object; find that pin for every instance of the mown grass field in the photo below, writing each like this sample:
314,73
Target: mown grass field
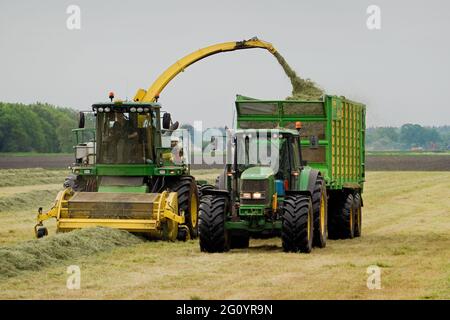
406,232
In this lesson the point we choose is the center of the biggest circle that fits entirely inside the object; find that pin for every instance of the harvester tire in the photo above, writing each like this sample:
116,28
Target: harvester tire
188,201
358,214
320,209
297,224
341,221
212,233
41,232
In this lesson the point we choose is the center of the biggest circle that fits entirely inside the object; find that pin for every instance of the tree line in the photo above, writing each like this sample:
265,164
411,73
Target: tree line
36,127
408,137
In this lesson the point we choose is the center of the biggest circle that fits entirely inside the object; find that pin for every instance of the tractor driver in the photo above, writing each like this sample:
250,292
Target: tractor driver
126,138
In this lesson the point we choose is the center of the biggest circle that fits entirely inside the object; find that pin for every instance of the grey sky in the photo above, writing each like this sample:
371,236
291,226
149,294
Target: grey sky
402,72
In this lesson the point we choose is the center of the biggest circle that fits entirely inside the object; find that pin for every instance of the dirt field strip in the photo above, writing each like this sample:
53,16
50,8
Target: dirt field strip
406,223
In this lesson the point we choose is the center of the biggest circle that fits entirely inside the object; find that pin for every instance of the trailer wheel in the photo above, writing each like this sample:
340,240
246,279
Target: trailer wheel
188,202
297,224
212,233
358,214
320,209
341,220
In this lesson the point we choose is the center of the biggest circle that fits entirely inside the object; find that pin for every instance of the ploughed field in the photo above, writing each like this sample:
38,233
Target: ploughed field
406,233
374,161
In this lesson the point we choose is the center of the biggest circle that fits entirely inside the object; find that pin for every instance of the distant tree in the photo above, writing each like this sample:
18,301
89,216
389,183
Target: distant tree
37,127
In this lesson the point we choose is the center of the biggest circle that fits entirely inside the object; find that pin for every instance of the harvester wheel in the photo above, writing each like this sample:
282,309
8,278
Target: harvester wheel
297,225
41,232
212,233
320,209
187,191
342,218
358,214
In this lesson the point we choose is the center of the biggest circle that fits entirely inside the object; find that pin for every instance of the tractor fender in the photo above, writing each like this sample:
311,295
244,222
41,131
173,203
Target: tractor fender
313,174
308,178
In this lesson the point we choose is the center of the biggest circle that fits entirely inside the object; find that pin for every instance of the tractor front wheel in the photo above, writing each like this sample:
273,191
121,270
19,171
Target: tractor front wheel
297,225
212,233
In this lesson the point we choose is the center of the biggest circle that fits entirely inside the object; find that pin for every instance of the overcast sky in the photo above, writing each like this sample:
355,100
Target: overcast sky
401,72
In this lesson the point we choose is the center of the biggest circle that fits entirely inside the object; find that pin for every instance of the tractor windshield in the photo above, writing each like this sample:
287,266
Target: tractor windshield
258,149
124,137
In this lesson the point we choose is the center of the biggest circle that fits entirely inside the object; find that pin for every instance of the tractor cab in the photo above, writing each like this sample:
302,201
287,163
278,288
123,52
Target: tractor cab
264,161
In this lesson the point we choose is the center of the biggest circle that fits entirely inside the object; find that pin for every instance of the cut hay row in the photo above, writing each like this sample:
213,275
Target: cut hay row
34,255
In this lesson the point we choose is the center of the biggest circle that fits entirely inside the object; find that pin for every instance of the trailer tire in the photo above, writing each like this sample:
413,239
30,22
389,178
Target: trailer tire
341,222
297,224
320,209
358,214
188,201
212,233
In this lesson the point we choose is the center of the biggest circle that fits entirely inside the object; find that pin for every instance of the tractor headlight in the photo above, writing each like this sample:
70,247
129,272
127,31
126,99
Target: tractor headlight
246,195
107,109
258,195
100,109
133,109
140,109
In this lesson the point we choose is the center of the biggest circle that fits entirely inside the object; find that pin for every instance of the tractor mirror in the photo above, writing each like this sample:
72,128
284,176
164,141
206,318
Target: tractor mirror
81,120
166,121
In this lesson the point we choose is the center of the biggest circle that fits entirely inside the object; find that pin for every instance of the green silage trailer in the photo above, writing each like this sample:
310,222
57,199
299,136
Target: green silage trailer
332,134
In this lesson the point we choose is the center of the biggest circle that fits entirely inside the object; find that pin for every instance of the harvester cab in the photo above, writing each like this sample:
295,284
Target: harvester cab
124,177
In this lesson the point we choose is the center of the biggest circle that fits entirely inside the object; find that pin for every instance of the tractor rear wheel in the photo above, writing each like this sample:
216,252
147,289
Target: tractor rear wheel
188,201
320,209
341,221
212,233
358,214
297,224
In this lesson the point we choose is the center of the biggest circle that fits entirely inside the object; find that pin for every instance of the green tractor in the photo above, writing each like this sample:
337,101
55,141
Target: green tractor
127,175
255,199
